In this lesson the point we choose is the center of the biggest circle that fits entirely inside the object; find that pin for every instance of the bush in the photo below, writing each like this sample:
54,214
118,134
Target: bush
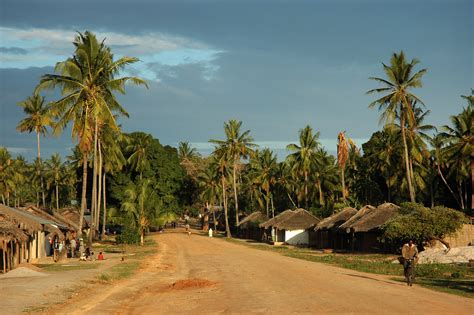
128,236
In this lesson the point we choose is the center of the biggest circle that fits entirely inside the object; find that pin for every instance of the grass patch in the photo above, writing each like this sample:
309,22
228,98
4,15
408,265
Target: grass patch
67,267
119,272
450,278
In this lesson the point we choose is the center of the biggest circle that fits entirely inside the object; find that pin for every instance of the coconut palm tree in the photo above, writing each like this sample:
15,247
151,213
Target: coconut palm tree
221,163
263,167
398,99
239,145
303,155
38,119
208,181
54,172
188,157
88,81
139,147
139,211
460,151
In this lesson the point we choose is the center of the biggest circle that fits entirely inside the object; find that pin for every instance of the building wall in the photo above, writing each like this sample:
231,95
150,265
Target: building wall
297,237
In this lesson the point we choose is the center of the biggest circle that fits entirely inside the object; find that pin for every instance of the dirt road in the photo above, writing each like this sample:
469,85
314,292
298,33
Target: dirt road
215,276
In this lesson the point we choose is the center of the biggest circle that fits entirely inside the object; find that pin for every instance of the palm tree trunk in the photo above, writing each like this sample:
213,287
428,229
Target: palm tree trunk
273,208
224,198
104,219
449,187
306,189
343,184
412,176
99,180
471,188
41,175
321,195
3,199
266,204
94,187
84,191
57,196
407,166
291,200
235,196
460,194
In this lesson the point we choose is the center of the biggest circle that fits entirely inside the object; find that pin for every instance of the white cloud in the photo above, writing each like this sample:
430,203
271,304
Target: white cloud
47,46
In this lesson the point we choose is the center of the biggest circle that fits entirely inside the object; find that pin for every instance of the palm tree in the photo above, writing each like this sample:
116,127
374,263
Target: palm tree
54,172
239,145
139,211
139,147
342,156
460,150
263,166
87,81
188,157
37,120
303,155
208,181
398,84
220,162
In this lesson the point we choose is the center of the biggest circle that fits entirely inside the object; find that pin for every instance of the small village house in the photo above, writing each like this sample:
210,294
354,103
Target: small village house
327,233
249,226
291,227
364,228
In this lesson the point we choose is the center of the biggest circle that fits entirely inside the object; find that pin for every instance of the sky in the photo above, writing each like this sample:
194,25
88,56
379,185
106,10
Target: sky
275,65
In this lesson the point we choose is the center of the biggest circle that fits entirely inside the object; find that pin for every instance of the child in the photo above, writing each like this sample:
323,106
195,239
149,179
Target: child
100,257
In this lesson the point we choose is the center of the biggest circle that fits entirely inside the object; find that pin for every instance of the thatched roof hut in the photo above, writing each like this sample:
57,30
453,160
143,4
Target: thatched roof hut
376,218
73,215
300,219
253,219
22,220
57,219
278,218
9,231
336,219
356,217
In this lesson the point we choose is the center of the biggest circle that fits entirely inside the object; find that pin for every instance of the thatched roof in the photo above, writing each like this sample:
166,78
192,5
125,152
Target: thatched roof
61,224
278,218
9,231
300,219
253,219
336,219
376,218
72,215
356,217
21,219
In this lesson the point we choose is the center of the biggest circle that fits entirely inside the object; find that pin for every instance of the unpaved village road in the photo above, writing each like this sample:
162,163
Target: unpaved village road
222,277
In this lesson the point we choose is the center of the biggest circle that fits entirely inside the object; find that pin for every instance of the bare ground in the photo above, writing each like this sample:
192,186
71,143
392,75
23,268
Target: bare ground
202,275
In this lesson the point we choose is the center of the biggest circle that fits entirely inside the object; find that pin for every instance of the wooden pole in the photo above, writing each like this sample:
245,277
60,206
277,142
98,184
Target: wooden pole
3,255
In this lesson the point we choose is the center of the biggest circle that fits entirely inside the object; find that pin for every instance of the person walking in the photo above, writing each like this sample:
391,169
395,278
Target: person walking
210,232
410,256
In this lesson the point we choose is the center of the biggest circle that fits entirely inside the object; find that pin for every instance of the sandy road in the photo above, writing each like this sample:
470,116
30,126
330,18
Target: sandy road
246,280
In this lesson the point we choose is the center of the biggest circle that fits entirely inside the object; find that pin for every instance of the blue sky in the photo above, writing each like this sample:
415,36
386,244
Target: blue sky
277,66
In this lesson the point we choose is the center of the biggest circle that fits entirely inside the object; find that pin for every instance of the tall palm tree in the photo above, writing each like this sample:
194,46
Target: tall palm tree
54,172
208,181
88,81
38,119
239,145
263,166
221,162
139,147
303,155
460,150
187,156
398,99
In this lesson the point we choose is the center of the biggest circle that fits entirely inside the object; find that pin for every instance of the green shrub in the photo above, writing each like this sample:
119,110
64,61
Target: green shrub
128,236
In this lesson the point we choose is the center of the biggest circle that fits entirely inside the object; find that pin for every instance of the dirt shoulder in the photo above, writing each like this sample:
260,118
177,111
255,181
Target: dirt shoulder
203,275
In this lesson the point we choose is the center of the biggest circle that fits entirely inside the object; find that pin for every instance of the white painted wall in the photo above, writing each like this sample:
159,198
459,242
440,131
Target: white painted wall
297,237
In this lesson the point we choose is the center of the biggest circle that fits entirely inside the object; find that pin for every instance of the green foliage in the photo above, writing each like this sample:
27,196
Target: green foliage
422,224
129,235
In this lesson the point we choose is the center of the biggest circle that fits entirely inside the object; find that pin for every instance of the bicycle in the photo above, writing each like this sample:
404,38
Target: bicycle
410,271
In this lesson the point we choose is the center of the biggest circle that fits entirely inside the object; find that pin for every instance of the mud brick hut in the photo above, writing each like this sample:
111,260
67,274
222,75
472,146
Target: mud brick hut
364,228
327,233
249,226
292,227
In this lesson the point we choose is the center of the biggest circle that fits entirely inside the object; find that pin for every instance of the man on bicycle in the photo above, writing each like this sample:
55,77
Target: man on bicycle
409,252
